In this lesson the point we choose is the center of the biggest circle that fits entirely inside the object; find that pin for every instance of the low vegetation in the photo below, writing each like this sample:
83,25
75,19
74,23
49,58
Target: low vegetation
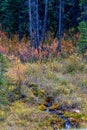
28,87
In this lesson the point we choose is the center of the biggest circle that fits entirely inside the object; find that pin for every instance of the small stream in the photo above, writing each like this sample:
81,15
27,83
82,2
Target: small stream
67,124
58,111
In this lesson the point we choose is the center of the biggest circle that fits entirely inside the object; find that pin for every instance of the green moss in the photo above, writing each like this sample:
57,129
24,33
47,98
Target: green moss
74,115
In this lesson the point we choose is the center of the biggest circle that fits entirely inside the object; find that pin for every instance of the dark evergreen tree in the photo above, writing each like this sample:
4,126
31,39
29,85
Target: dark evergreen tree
82,43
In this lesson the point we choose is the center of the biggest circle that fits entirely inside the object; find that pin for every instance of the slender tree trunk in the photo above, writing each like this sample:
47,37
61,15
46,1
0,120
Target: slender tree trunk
44,22
37,26
19,22
30,21
60,26
35,34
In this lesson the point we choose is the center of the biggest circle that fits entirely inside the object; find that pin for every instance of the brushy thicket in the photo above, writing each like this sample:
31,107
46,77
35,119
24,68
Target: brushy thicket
25,53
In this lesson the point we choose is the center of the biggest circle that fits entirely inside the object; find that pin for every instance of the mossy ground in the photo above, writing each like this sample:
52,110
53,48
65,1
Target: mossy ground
64,79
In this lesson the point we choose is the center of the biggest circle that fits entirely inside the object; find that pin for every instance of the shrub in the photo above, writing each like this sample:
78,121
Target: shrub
82,43
73,64
3,64
55,66
3,86
65,90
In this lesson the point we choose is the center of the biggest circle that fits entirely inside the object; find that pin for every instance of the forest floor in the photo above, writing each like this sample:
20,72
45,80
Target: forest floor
35,90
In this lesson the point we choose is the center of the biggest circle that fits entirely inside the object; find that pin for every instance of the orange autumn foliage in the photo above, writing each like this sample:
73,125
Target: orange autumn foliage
24,52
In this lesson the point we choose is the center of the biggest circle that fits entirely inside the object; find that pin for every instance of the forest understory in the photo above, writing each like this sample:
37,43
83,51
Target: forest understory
42,91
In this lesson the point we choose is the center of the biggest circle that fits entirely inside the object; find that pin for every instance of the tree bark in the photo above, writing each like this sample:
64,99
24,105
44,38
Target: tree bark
44,22
60,26
30,21
20,35
37,26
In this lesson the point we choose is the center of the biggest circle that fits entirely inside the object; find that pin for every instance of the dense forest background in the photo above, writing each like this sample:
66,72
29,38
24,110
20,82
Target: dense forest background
43,64
36,19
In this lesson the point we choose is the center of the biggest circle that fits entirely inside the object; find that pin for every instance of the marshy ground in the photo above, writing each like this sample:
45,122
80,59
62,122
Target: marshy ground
29,88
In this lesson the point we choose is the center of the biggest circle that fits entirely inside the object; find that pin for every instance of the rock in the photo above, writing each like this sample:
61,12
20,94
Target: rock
54,106
42,107
76,110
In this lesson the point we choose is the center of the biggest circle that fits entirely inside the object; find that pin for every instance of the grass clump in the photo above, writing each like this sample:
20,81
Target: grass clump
73,64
